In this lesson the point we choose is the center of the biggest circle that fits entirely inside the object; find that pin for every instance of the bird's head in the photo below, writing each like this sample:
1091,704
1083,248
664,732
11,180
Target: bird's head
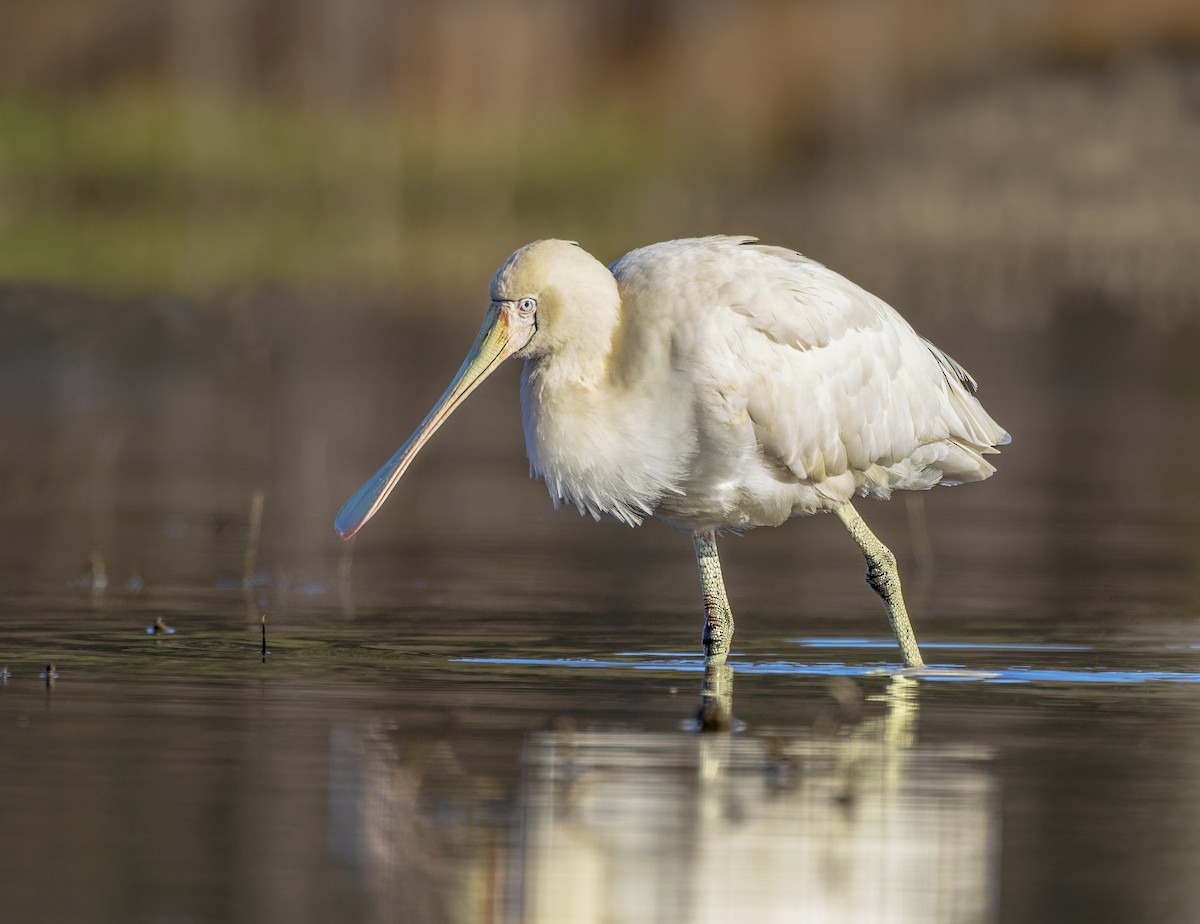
568,294
545,300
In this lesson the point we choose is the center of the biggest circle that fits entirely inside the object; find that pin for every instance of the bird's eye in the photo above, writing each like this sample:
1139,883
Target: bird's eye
527,305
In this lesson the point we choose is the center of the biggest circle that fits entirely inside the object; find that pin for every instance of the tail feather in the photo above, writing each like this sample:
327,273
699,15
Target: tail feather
971,426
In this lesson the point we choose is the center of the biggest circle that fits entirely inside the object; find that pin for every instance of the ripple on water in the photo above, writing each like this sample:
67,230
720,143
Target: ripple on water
941,672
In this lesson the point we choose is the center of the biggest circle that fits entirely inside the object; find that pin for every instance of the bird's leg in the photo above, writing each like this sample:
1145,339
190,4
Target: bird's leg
885,580
718,618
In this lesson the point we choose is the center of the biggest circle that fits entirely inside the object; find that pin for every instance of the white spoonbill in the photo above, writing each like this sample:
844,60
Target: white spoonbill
718,384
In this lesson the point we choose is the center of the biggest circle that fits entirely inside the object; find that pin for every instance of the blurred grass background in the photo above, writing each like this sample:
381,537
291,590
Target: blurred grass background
923,147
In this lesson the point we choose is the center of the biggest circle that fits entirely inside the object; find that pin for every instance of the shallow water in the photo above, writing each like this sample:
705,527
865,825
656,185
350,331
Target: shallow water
483,709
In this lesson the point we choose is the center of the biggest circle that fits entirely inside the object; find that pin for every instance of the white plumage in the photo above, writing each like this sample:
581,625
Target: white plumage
740,385
717,383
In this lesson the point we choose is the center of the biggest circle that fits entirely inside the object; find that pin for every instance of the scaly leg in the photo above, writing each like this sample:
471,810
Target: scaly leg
718,619
883,577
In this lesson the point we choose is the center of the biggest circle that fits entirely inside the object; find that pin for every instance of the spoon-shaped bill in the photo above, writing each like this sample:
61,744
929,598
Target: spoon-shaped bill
493,345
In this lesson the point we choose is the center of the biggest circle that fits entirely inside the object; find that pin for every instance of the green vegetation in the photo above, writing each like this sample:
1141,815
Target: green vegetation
137,191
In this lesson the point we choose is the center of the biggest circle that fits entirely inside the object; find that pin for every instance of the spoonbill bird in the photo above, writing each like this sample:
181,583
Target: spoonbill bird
718,384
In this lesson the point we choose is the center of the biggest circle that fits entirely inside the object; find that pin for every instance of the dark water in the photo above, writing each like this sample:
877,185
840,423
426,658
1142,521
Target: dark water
481,710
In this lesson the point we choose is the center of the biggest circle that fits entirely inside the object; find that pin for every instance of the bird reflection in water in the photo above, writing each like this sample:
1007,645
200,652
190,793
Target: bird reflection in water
861,824
716,699
849,819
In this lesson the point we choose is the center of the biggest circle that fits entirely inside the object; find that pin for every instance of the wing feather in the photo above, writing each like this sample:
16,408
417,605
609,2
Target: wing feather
827,379
802,389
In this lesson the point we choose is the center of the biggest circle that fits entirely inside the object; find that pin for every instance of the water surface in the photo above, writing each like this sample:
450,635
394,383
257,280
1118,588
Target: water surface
483,709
